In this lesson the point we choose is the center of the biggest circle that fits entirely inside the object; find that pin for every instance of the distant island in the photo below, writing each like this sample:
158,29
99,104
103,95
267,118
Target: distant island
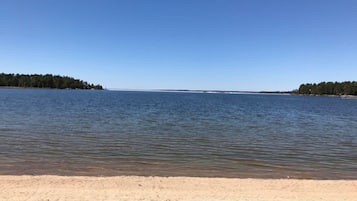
44,81
328,88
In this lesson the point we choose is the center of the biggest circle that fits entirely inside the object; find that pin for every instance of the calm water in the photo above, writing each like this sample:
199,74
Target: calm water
70,132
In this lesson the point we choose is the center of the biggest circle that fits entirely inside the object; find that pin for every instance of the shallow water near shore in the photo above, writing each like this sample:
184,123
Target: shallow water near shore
75,132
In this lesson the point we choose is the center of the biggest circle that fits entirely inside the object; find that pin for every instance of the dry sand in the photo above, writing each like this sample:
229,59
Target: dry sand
58,188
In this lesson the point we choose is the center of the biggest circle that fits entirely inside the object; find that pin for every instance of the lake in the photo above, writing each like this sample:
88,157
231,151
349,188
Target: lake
79,132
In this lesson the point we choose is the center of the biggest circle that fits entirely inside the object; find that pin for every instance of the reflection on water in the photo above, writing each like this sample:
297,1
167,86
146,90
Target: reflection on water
70,132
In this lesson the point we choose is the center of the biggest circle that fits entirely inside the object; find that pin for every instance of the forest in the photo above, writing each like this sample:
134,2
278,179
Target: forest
328,88
44,81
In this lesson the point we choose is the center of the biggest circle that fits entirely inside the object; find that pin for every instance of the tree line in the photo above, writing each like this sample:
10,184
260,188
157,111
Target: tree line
44,81
328,88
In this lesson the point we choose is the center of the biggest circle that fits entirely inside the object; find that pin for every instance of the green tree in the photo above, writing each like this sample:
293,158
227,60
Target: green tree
44,81
329,88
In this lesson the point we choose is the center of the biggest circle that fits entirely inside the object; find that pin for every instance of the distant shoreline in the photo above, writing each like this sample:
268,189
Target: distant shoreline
163,90
197,91
225,91
10,87
325,95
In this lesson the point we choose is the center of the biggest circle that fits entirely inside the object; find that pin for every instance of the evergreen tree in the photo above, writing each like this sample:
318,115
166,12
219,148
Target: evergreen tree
328,88
44,81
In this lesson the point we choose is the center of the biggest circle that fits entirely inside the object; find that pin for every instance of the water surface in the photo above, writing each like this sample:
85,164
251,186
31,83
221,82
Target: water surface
74,132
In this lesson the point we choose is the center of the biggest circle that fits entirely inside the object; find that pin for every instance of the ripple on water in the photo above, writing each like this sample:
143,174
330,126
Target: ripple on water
69,132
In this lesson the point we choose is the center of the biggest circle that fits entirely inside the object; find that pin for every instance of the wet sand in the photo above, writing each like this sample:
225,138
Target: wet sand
48,188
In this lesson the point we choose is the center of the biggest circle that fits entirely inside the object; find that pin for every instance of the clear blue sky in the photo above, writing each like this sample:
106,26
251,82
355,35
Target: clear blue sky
182,44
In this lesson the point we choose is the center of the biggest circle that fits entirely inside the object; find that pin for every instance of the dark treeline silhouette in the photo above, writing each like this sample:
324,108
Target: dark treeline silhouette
328,88
44,81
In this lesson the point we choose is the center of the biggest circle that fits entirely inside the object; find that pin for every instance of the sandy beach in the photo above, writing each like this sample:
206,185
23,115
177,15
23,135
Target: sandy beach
48,188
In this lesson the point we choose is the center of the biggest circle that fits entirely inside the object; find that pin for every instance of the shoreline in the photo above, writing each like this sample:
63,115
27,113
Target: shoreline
327,95
11,87
72,188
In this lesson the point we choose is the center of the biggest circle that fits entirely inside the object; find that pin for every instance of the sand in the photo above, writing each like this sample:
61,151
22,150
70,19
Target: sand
60,188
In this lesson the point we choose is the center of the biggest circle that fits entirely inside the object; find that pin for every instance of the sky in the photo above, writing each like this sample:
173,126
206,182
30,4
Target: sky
250,45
